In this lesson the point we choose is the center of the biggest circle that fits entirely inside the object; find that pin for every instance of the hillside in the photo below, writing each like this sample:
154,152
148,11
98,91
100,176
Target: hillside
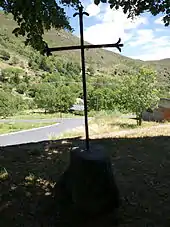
99,57
30,76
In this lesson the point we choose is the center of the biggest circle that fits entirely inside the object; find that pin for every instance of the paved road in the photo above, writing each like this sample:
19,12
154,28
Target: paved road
41,134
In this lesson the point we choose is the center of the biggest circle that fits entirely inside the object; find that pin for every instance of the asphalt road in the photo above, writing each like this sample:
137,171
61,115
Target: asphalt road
41,134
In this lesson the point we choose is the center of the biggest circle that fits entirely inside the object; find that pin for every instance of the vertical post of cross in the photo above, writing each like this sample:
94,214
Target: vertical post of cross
83,72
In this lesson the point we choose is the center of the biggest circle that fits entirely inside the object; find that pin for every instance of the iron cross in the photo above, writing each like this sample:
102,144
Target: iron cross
48,51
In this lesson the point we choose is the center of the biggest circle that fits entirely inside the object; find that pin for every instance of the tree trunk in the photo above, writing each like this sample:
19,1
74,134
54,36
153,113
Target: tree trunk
139,120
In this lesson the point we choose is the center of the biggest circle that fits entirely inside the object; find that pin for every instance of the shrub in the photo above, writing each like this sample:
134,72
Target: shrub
21,88
4,55
11,104
11,75
14,60
7,104
54,99
32,89
20,103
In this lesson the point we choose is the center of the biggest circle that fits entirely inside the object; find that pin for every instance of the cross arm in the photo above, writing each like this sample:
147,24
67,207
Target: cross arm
117,45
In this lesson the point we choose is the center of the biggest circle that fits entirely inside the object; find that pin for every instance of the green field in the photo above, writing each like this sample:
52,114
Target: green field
18,126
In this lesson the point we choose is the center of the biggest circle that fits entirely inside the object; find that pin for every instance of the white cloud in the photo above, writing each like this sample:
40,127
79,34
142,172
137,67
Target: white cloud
159,21
93,9
146,44
154,54
118,17
159,29
112,25
157,49
142,37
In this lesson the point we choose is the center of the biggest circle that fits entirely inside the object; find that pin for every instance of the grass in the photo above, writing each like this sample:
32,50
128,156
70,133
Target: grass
18,126
106,124
38,114
141,164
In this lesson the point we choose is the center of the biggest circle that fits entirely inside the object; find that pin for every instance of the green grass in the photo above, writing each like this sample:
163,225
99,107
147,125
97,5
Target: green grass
18,126
29,172
38,114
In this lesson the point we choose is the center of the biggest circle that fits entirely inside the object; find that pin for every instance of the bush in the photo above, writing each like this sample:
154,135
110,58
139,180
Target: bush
20,103
11,104
34,61
32,89
21,64
7,104
46,98
21,88
4,55
54,99
14,60
11,75
46,64
52,78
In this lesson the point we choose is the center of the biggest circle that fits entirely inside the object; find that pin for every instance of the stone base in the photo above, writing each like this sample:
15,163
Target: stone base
87,189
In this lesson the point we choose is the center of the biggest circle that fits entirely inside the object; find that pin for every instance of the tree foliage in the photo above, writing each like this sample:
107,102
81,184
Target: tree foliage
136,7
53,99
4,55
138,92
101,99
11,75
10,104
34,17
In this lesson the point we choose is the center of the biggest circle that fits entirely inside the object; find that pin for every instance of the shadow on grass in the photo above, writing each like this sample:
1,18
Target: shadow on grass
125,125
142,171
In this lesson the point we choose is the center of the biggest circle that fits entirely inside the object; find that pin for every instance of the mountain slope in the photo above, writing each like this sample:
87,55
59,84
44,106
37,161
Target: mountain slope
99,59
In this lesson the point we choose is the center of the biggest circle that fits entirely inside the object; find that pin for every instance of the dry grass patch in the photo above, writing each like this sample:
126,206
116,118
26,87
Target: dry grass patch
100,126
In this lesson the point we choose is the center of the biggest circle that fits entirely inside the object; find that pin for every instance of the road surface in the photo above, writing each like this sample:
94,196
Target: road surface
40,134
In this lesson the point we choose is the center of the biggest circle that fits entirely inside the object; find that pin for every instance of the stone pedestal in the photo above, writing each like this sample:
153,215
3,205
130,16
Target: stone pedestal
88,189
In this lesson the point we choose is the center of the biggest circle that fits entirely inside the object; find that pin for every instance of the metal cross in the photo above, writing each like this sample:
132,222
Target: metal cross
48,51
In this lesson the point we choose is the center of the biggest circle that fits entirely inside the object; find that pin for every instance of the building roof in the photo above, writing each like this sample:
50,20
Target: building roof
167,99
77,107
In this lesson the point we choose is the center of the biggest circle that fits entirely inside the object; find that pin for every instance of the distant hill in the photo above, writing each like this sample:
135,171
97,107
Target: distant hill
98,57
101,60
163,62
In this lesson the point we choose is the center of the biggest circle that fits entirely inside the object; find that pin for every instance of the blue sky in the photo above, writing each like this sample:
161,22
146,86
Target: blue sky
144,38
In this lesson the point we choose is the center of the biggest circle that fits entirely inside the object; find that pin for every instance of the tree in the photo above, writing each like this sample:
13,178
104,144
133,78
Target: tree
45,97
10,104
138,92
11,75
7,107
21,88
54,99
34,17
101,99
67,98
136,7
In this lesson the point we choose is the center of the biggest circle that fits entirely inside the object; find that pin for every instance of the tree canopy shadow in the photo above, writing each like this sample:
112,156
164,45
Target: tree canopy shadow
29,172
